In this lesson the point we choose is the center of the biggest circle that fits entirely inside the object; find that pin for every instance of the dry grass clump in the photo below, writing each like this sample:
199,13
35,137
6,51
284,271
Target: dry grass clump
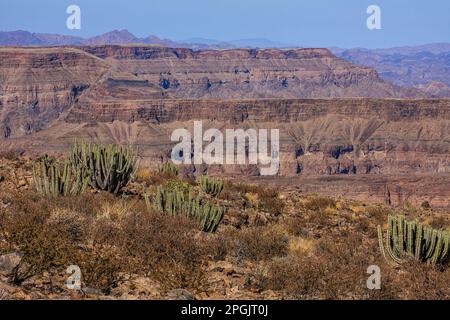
318,203
257,243
253,196
156,177
302,246
11,154
439,221
143,175
336,270
166,248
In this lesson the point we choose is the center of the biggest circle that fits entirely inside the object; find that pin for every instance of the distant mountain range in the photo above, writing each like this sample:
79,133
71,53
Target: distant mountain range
426,67
25,38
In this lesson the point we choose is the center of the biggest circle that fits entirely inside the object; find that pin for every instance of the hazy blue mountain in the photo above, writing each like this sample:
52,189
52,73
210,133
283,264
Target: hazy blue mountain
426,66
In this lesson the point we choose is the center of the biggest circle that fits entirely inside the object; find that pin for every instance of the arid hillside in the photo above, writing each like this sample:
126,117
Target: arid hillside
272,243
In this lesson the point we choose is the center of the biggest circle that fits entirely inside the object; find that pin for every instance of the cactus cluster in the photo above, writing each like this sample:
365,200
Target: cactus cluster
413,240
49,179
110,167
175,202
211,186
168,168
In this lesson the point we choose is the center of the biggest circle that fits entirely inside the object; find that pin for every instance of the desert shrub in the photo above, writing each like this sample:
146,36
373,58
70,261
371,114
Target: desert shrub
317,203
71,223
300,276
425,205
254,196
178,185
44,244
167,249
439,222
143,175
378,214
414,281
11,154
270,201
257,243
337,270
106,237
101,267
165,172
52,233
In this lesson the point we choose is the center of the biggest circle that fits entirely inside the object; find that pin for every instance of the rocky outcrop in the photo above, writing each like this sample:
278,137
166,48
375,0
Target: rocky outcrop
260,110
324,137
249,73
37,85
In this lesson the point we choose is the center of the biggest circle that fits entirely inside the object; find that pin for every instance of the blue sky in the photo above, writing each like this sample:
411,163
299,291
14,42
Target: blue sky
315,23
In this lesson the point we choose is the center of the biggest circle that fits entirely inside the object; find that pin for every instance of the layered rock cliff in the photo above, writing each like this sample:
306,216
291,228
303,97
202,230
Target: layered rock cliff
51,96
37,85
249,73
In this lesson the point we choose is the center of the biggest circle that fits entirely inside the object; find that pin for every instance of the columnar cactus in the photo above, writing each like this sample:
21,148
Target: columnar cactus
174,202
168,168
50,180
110,167
413,240
211,186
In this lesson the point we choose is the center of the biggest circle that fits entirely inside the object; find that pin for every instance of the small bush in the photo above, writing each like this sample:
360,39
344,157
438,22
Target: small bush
257,243
165,249
317,203
265,199
425,205
337,270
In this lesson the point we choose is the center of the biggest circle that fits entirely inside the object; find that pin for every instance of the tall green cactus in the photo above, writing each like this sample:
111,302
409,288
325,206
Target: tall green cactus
211,186
50,180
175,202
413,240
110,167
168,168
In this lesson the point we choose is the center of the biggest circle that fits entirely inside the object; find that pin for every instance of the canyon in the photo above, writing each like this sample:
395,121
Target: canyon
343,130
424,67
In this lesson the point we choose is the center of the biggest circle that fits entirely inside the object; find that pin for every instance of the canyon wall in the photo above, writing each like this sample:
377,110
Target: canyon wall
249,73
37,85
319,136
132,94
